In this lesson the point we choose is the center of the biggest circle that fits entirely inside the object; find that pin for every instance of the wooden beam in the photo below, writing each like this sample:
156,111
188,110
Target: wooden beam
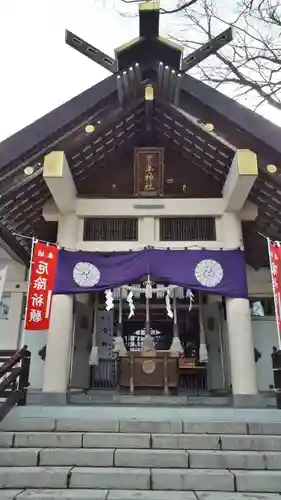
58,178
209,48
240,179
90,51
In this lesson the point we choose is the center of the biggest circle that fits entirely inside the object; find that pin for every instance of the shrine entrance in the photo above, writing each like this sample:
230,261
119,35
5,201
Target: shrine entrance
191,373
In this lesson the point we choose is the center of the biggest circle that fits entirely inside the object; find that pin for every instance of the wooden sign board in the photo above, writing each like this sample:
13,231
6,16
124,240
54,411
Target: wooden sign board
149,171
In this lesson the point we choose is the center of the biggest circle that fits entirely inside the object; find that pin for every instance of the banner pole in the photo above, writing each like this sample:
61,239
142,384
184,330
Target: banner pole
277,298
28,290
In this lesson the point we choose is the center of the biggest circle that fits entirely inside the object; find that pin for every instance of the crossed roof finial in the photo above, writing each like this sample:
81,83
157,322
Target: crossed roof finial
149,48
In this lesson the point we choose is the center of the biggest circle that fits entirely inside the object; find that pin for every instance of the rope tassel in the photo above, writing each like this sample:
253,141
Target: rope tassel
176,348
119,345
94,354
203,351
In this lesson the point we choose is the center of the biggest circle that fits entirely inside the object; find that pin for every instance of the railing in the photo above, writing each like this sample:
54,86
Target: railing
14,376
194,381
105,377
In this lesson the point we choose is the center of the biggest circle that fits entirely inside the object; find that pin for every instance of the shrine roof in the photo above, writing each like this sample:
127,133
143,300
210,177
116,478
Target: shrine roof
123,121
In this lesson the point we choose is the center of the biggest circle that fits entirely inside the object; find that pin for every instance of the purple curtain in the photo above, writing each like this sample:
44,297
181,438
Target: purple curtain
213,271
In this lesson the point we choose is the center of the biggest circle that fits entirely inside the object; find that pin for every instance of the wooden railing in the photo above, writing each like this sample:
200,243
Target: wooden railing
14,376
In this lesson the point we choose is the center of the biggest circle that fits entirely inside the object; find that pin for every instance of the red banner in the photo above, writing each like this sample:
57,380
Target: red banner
274,250
41,285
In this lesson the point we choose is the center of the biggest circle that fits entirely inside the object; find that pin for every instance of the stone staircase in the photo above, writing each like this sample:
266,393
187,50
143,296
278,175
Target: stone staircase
46,458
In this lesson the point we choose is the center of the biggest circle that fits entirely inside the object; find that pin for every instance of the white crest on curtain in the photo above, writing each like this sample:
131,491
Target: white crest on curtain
130,301
168,304
109,304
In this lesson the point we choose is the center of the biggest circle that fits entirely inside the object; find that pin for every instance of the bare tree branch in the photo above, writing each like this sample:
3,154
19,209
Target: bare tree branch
252,62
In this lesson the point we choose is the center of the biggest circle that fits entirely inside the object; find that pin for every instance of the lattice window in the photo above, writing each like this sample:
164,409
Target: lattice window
188,229
111,229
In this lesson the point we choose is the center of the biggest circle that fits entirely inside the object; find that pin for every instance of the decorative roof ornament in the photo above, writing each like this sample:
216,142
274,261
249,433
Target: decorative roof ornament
149,47
209,127
29,170
90,128
272,169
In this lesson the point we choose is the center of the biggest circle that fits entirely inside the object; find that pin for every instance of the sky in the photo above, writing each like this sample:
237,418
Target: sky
38,71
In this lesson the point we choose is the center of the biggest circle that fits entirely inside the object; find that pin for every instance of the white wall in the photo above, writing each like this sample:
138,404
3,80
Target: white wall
259,282
264,331
80,370
148,212
12,335
16,286
264,328
35,340
265,337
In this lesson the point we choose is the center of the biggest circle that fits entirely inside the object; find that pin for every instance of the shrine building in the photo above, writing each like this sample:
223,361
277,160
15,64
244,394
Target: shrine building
155,176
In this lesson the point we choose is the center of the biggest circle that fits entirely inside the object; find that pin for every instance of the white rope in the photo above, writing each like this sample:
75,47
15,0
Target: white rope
130,301
109,303
168,304
138,249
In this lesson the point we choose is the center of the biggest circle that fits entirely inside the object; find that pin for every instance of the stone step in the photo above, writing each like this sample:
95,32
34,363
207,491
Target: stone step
101,478
77,477
185,441
147,458
216,480
198,459
215,442
254,443
34,477
135,426
244,460
74,440
140,441
84,494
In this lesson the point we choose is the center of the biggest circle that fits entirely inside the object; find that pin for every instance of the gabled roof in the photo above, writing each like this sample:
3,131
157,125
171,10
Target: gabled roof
214,104
203,101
